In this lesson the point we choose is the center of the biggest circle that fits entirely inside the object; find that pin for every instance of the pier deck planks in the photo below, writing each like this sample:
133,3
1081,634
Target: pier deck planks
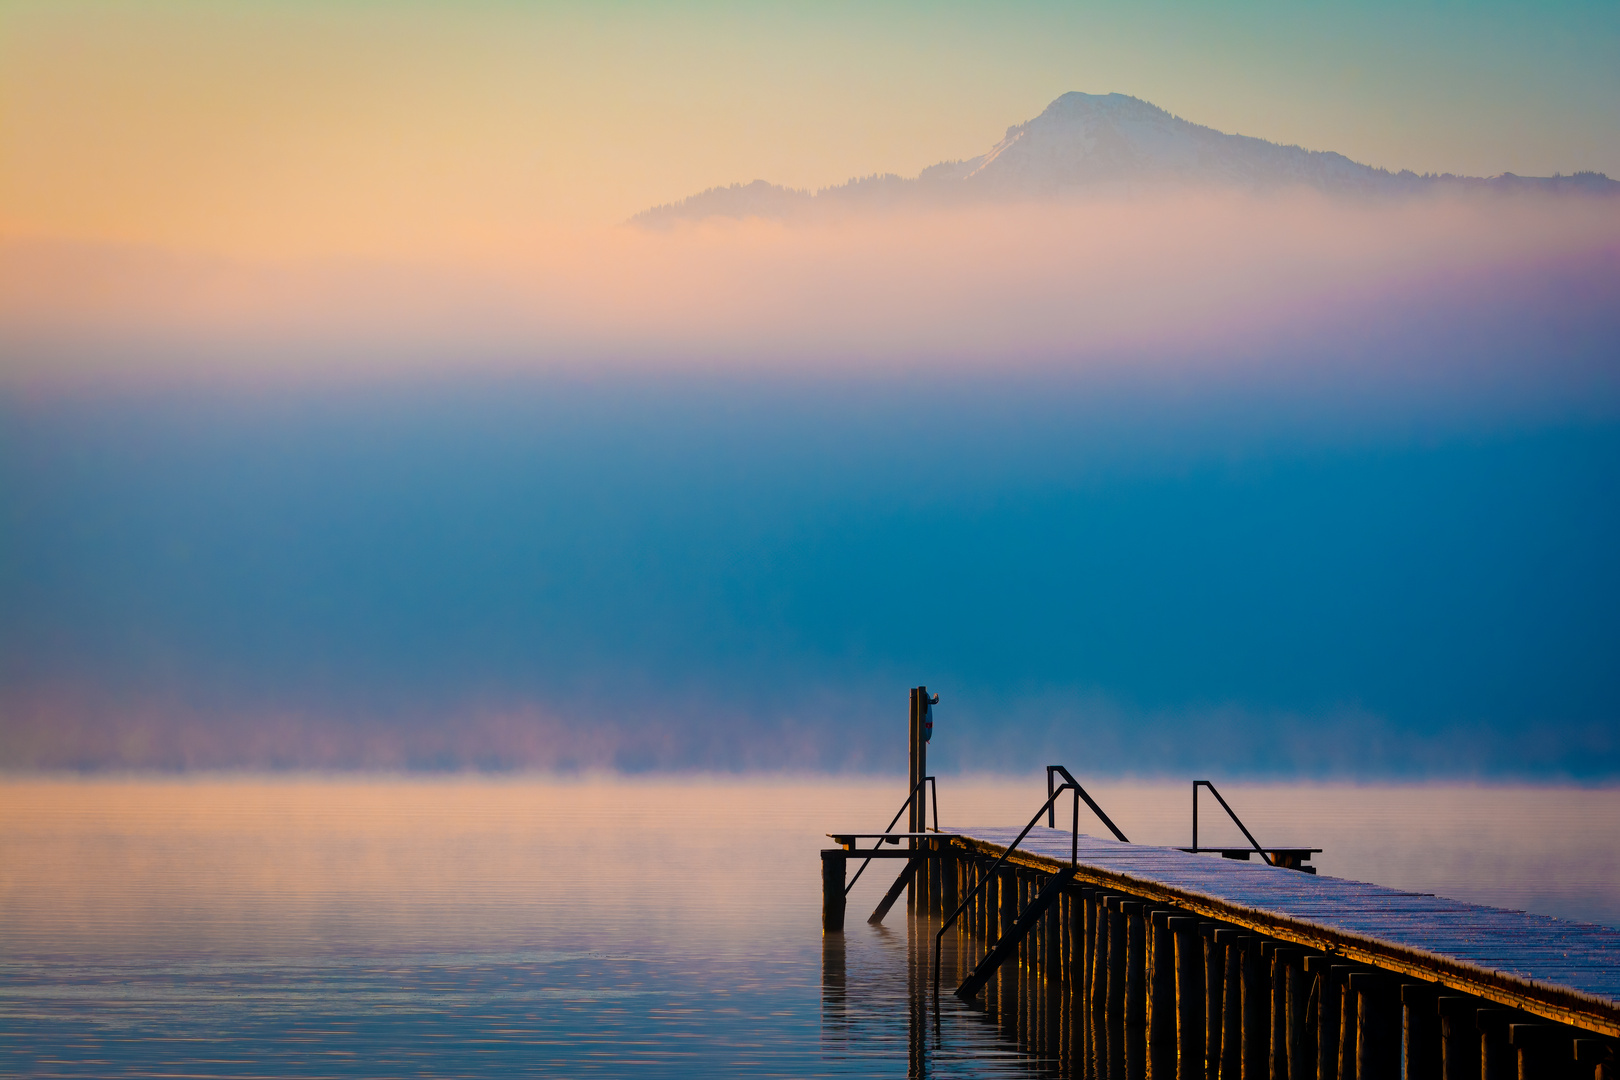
1558,969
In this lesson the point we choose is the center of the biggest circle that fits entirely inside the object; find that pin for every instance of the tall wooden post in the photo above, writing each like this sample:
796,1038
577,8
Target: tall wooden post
917,819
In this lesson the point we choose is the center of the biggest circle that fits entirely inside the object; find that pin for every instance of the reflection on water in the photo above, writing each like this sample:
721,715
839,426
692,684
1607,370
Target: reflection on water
452,927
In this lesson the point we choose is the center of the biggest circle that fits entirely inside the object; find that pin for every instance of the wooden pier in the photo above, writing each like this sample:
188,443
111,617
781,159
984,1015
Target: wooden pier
1120,961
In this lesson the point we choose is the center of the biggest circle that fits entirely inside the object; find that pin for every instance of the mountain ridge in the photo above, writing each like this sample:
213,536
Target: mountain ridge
1099,143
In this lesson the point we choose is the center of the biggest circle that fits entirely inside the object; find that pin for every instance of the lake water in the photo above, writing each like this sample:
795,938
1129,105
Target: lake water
657,928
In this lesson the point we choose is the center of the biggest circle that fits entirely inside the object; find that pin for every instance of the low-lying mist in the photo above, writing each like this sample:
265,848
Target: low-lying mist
1284,487
1165,283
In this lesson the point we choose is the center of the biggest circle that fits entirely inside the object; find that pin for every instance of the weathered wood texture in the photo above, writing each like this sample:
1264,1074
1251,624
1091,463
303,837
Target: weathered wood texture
1552,968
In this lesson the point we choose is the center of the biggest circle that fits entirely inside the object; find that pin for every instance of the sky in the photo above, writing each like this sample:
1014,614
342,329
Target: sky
307,130
345,424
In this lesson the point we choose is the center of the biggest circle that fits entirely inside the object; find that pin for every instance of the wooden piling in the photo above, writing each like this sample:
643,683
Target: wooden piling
1135,964
1377,1026
1497,1058
1280,959
1545,1051
1231,942
1161,976
1420,1032
1326,992
1347,1021
1161,995
1117,936
1189,962
1301,1041
1052,977
1114,1015
1214,982
1007,1003
1101,943
1021,966
1256,993
1079,970
1135,989
1459,1037
833,864
1595,1058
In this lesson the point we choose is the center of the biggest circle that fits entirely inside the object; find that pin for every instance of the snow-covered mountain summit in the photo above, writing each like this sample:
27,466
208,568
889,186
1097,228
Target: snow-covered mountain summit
1098,143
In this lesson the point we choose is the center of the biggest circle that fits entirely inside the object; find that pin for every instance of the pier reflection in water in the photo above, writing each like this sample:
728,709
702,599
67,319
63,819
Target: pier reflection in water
869,974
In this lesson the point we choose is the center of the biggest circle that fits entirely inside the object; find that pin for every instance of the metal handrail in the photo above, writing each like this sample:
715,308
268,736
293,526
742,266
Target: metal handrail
1051,812
1205,783
934,790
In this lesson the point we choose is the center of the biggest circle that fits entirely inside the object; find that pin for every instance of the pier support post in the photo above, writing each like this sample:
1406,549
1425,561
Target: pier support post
1052,977
1420,1032
1231,943
1256,997
1326,993
833,862
1459,1038
1301,1032
1347,1021
1595,1058
1282,958
1135,989
1006,980
1161,995
1101,942
1189,996
1497,1059
1545,1051
1079,965
1377,1027
1161,1008
1214,983
1114,1011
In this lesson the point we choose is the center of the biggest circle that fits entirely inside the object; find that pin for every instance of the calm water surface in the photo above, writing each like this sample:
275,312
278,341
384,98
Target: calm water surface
339,927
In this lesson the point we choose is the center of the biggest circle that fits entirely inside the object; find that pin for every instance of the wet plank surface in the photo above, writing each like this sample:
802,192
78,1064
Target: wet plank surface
1534,951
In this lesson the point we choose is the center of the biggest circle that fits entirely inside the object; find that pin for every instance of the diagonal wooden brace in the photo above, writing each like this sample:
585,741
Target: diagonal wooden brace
898,887
1004,947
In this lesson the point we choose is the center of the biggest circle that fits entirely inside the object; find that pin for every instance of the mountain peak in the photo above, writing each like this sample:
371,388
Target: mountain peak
1089,143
